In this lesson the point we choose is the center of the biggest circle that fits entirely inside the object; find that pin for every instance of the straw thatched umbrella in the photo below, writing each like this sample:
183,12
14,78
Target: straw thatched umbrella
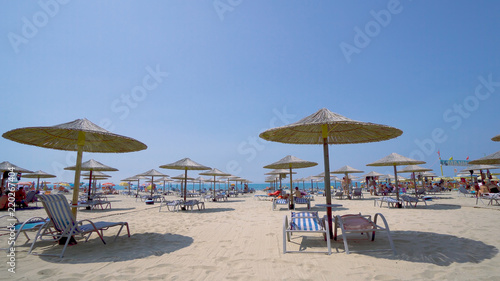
6,166
93,180
39,175
200,180
291,162
94,177
228,179
412,169
280,172
128,180
79,135
496,138
92,165
152,173
165,180
185,164
181,179
273,180
346,170
216,173
394,160
325,127
372,174
472,169
317,179
492,159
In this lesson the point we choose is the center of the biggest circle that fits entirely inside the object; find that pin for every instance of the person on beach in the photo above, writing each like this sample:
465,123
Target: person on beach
475,187
20,196
483,188
345,185
372,186
297,193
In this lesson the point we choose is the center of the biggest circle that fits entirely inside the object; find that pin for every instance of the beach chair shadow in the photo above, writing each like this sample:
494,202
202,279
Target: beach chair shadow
138,247
362,225
437,249
63,226
13,225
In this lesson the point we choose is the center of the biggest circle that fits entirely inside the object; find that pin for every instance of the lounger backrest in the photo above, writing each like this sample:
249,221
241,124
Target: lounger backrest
30,197
301,200
58,210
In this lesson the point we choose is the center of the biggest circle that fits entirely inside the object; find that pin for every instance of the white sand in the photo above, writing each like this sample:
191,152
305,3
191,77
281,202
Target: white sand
450,239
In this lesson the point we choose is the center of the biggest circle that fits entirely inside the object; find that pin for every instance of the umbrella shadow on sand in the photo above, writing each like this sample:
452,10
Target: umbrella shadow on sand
216,210
440,207
105,210
138,246
433,248
322,209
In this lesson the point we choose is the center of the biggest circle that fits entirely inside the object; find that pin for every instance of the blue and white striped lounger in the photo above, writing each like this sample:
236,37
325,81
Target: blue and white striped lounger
304,201
281,201
305,222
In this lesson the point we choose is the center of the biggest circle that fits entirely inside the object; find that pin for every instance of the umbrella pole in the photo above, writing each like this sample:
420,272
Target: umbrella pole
291,188
328,191
152,178
214,189
396,180
76,187
415,184
90,187
185,183
137,189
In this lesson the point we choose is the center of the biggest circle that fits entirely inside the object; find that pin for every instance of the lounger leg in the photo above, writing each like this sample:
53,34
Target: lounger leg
285,234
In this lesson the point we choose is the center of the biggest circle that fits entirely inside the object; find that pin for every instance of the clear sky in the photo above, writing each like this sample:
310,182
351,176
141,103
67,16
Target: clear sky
202,79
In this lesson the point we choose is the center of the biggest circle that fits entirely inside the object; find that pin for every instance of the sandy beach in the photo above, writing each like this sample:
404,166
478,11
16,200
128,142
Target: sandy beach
450,239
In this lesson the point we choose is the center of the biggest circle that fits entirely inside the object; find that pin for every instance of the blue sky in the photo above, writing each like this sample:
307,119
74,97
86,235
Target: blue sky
202,79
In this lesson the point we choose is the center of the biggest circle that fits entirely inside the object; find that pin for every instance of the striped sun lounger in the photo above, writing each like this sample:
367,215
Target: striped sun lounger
305,222
63,225
303,201
281,201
